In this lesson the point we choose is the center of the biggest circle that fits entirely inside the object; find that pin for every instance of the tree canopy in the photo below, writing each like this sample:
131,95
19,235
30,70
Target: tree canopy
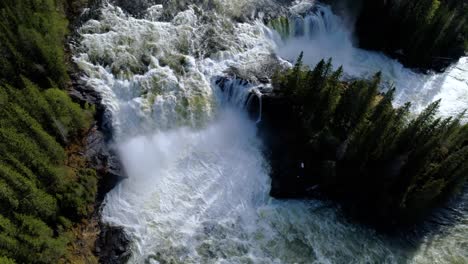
40,193
369,152
421,33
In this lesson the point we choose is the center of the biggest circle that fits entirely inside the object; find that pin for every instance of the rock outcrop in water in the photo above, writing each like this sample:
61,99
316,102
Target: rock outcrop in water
346,142
280,129
112,246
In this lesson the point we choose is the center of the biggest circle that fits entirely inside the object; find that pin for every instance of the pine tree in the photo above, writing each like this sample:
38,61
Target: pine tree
371,154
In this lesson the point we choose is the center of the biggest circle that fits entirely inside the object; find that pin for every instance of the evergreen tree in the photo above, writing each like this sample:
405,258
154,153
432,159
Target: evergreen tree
38,191
369,153
427,34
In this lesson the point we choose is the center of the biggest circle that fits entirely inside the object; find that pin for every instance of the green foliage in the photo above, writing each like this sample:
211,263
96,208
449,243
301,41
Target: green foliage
78,196
37,241
68,115
33,179
5,260
427,33
31,199
31,41
40,190
396,167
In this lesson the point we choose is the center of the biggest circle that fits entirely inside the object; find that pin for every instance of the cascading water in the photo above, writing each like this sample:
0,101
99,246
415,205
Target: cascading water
321,34
198,184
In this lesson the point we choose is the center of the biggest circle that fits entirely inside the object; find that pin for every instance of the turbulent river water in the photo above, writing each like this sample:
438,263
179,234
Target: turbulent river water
197,187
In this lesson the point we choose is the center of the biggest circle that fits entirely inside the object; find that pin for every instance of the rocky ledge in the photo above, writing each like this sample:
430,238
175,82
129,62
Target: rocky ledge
284,143
111,245
281,132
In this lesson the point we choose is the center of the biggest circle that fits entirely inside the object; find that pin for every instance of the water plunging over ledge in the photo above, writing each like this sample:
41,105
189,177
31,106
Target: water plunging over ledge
198,184
321,34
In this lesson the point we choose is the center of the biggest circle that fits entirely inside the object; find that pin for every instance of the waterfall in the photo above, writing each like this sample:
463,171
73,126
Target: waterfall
234,91
260,109
321,34
198,183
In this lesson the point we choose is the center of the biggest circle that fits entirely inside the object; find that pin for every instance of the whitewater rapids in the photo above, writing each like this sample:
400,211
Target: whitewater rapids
197,187
321,34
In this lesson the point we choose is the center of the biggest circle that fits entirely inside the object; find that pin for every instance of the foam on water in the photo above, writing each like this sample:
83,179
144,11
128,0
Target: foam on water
198,183
201,196
157,75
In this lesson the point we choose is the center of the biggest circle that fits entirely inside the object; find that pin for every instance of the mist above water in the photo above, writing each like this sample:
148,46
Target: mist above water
201,196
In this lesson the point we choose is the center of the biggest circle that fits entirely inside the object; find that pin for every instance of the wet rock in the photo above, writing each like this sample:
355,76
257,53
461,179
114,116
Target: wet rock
260,72
283,138
104,160
112,245
98,152
82,93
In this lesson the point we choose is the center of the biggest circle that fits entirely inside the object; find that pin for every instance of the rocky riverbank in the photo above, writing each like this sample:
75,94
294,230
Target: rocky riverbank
95,241
108,243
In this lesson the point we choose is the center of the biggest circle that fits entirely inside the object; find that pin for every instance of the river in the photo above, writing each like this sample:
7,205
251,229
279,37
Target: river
198,184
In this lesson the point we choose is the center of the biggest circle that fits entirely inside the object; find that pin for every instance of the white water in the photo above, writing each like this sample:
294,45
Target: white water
322,34
198,184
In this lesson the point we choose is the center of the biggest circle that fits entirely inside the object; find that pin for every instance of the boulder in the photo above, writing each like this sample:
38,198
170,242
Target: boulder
112,245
